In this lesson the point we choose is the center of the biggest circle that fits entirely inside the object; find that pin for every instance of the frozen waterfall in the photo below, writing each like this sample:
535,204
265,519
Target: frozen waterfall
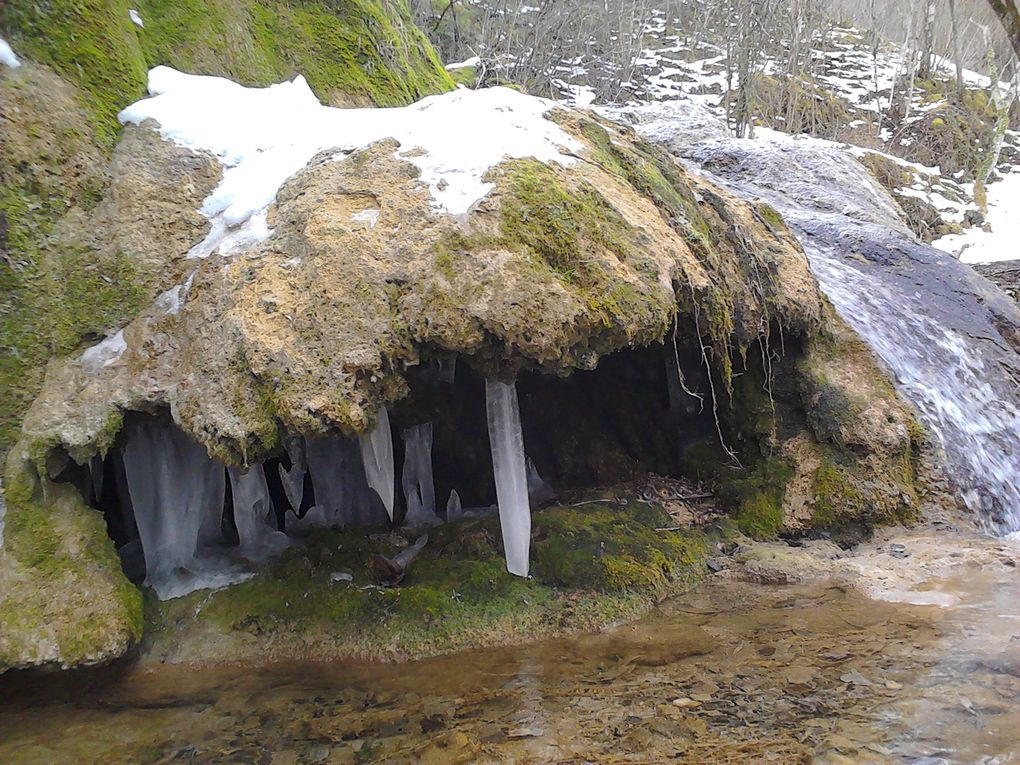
177,494
416,477
377,457
510,469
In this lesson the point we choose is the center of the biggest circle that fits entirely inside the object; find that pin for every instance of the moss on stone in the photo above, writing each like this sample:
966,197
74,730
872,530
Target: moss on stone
54,544
368,50
591,565
561,226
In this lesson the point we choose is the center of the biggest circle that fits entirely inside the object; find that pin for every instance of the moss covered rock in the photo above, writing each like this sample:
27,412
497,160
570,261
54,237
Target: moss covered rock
593,565
311,330
363,51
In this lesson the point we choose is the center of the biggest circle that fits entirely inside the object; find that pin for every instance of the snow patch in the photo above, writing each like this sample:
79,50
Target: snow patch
103,354
370,216
265,135
976,245
473,61
7,57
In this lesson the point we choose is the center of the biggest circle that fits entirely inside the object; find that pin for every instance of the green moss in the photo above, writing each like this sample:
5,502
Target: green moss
650,170
363,49
466,76
561,228
63,547
590,565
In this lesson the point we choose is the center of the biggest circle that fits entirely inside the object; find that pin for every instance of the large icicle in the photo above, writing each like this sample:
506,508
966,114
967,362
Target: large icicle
416,477
177,496
377,457
253,515
294,479
509,468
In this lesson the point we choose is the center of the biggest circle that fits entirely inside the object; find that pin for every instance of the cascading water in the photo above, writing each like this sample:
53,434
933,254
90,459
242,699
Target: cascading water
948,336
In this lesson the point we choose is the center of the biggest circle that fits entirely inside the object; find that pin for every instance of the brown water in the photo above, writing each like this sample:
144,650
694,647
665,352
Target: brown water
735,673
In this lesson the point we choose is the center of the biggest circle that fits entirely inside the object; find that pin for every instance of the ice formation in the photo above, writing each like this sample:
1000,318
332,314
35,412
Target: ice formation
341,487
510,470
416,477
104,353
7,57
539,492
96,474
377,457
177,495
454,509
258,537
294,479
265,135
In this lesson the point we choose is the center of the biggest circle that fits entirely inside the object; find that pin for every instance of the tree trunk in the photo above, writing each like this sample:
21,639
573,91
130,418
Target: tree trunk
1009,16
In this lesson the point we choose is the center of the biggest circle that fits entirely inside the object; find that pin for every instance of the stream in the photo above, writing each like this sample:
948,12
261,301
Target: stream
734,673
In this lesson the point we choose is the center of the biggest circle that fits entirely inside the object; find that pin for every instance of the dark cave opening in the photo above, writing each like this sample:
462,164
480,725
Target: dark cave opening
632,415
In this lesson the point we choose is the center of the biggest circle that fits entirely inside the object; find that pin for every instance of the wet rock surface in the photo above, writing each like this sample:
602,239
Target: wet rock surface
1005,274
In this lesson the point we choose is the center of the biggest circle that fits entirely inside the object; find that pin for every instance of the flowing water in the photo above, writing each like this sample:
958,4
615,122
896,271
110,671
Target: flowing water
736,673
949,338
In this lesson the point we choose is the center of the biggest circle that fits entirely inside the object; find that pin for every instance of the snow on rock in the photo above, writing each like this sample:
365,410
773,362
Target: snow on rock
1002,242
265,135
104,353
7,57
473,61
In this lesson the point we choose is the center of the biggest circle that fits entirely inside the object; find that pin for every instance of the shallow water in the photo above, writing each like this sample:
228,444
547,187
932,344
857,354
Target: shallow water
733,673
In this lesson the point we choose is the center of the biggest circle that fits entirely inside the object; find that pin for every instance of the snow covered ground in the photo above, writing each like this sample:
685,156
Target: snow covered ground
7,57
1002,240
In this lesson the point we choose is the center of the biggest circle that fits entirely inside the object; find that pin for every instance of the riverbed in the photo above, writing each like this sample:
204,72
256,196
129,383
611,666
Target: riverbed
737,672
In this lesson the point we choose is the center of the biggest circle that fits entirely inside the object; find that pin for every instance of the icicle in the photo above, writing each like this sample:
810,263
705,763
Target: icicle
177,496
377,457
454,510
317,517
508,465
539,492
294,479
416,477
96,471
253,515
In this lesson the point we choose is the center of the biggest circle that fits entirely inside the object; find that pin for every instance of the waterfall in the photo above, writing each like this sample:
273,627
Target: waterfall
377,458
508,464
416,477
939,328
